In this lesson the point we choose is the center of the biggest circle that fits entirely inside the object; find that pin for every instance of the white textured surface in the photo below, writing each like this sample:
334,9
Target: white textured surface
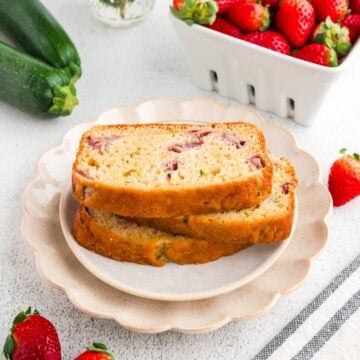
128,66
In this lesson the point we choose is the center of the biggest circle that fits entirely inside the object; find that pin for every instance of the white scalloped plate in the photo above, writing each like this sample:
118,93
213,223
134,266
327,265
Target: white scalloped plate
55,261
171,282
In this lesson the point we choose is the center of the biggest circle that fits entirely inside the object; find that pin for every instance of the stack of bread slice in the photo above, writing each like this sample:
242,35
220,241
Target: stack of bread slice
187,194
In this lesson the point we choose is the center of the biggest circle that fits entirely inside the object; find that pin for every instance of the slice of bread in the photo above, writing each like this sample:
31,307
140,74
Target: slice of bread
161,170
269,222
112,236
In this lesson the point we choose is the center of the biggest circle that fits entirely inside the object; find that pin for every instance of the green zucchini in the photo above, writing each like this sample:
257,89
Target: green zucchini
32,27
34,86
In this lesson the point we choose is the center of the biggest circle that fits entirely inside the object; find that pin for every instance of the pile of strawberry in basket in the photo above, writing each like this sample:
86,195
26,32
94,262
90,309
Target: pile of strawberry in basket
319,31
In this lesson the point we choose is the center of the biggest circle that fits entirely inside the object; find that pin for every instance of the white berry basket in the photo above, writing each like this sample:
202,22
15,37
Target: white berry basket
286,86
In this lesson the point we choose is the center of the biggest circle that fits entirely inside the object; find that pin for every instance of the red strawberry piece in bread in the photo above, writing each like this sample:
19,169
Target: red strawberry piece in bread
97,351
201,12
319,54
352,22
32,337
334,36
344,178
250,17
225,5
295,20
225,27
336,9
269,39
354,6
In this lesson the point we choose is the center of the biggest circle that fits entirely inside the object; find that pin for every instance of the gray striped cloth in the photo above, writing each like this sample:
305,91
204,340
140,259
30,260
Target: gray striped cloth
313,334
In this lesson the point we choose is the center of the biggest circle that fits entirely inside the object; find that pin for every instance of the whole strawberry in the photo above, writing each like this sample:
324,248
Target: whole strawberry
336,9
225,5
296,20
97,351
250,17
225,27
319,54
32,337
354,6
269,39
352,22
344,178
333,36
201,12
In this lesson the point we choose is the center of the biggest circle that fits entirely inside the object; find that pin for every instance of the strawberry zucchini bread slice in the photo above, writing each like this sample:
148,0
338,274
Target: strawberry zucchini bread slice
112,236
161,170
269,222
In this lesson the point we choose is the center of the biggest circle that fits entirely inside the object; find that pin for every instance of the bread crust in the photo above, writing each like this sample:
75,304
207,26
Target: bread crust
269,229
178,249
166,202
264,231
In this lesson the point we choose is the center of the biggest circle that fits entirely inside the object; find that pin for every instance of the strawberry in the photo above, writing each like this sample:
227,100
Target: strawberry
344,178
296,20
273,4
318,54
195,11
225,27
178,4
32,337
352,22
333,36
354,6
336,9
270,40
96,352
250,17
225,5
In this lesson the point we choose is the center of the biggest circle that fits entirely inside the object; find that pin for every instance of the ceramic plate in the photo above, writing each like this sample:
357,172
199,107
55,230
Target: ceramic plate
171,282
56,262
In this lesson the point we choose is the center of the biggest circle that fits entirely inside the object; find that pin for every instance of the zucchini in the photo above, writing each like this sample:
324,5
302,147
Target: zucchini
34,86
32,27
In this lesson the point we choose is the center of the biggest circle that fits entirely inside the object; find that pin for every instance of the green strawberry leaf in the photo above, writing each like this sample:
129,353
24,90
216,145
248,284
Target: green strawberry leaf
190,3
9,347
20,317
266,22
343,48
100,348
355,156
328,22
98,345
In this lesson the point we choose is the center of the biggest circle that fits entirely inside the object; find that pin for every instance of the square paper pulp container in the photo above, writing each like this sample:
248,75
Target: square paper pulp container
283,85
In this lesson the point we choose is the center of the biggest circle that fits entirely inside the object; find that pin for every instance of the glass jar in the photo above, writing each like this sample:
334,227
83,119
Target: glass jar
121,13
